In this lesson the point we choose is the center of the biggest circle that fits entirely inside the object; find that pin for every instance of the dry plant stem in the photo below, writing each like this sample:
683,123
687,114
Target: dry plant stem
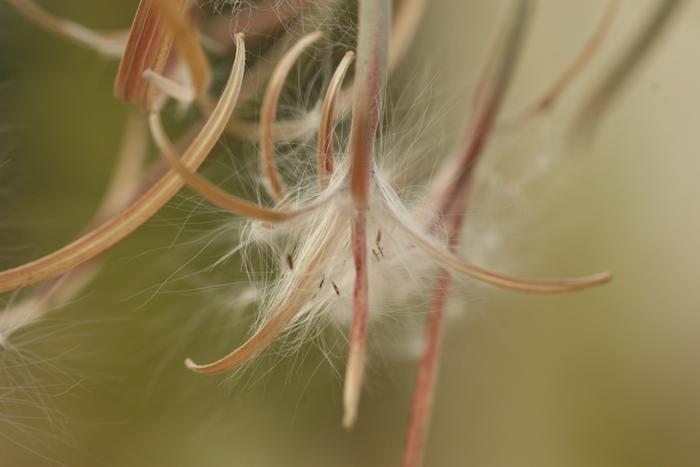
148,48
273,181
426,379
291,305
493,84
261,339
450,261
404,25
123,224
109,44
486,105
170,88
121,189
457,188
187,41
591,47
357,351
256,75
403,28
325,163
220,198
127,176
624,68
370,80
489,95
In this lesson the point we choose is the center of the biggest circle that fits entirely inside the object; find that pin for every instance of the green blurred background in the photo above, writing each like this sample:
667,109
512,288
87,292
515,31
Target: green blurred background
608,377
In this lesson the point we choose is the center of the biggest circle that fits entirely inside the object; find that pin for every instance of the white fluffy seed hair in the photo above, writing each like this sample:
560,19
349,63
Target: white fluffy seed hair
315,261
311,256
307,262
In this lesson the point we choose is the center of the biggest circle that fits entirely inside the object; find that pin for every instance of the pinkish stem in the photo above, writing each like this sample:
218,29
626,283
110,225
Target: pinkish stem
426,379
370,79
358,329
423,394
452,208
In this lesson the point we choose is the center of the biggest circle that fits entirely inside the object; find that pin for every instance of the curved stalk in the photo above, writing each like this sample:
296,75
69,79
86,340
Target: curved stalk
109,233
273,180
324,161
227,201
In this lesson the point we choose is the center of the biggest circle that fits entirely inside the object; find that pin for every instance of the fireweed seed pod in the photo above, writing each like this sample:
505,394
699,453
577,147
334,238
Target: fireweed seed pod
345,211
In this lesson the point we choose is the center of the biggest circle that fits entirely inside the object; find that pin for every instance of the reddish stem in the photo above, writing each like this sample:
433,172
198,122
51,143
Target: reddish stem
358,328
424,391
370,79
423,394
452,208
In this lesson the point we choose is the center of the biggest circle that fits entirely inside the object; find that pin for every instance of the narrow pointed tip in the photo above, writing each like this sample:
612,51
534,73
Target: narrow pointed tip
348,423
201,369
350,414
353,388
603,278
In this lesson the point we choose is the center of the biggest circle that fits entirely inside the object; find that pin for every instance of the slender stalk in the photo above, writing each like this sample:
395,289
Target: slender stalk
324,160
426,379
148,48
370,80
357,352
407,16
171,88
404,25
547,100
187,41
624,68
452,208
301,292
450,260
109,44
115,229
268,157
122,187
227,201
496,80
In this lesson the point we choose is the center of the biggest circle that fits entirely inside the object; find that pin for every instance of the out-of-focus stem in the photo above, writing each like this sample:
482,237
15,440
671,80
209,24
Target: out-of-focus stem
550,97
109,44
624,67
122,188
426,379
496,80
139,211
181,27
452,208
